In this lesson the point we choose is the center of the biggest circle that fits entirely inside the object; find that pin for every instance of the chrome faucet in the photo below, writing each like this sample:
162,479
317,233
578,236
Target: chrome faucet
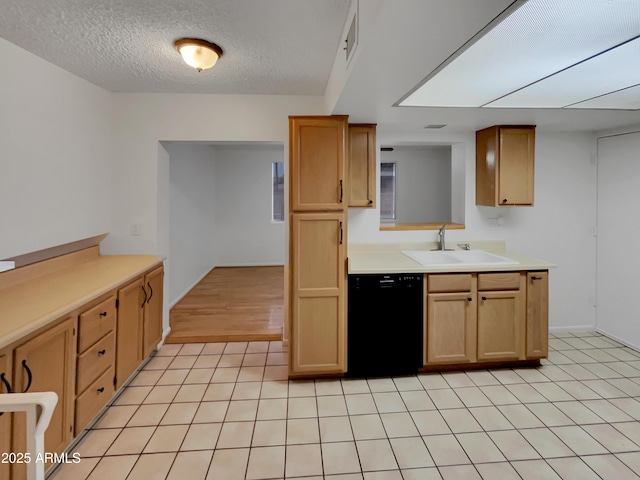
441,235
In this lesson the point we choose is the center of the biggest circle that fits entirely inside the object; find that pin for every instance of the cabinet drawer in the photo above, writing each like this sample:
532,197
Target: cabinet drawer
458,282
93,399
499,281
96,323
94,361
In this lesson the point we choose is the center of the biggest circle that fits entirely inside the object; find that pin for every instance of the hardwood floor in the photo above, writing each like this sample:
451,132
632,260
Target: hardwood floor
231,304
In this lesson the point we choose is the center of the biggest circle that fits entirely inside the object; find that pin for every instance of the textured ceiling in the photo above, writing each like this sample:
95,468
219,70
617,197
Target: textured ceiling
270,46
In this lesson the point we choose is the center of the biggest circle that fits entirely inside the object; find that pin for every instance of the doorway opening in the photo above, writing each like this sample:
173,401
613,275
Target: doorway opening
226,248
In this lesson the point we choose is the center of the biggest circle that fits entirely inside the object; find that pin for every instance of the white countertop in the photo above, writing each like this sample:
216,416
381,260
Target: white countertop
388,258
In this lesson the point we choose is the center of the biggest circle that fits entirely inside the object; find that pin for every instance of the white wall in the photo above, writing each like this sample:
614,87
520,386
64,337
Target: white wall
559,228
618,228
140,121
245,234
220,211
423,183
191,216
55,181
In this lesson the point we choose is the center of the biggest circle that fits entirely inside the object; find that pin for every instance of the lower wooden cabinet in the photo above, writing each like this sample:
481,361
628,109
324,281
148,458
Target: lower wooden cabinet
5,419
318,327
47,363
486,317
129,329
91,401
501,325
537,315
84,357
451,328
152,330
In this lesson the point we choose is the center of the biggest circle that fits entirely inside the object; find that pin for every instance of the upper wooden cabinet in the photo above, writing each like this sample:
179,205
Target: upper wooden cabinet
505,165
361,166
317,149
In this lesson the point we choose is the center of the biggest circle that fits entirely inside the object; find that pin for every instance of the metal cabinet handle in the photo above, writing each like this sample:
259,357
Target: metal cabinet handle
484,298
102,352
469,298
103,314
29,375
150,292
340,191
145,297
101,389
7,385
370,202
340,233
504,200
536,278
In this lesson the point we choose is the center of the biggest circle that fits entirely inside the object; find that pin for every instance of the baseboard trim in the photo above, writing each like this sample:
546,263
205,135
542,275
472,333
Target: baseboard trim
253,264
190,287
618,339
575,328
165,334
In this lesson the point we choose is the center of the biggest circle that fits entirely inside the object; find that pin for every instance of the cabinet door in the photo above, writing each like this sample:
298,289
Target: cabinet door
317,152
516,166
451,328
318,325
152,332
5,418
361,165
537,314
50,359
501,325
129,330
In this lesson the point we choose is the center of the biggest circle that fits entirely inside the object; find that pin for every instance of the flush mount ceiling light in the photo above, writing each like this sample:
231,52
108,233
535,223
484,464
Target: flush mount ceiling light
544,54
198,53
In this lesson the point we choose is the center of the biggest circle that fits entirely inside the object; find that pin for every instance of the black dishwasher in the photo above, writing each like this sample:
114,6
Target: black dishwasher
385,317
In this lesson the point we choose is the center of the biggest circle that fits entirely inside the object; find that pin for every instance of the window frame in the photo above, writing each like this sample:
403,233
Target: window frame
392,218
275,182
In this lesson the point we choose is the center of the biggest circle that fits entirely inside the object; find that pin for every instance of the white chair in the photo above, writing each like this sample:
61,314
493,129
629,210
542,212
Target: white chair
39,407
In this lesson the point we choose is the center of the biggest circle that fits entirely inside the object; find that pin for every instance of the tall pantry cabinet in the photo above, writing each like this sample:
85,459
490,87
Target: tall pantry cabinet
317,244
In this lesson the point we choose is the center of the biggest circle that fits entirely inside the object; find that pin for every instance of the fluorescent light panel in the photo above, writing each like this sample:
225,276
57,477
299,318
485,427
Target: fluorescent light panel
605,73
628,99
540,38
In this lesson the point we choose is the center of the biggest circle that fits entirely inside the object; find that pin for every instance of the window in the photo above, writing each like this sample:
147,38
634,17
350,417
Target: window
387,191
277,180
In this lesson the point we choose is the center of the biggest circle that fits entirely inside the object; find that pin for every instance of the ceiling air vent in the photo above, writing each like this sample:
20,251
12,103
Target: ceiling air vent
436,125
352,37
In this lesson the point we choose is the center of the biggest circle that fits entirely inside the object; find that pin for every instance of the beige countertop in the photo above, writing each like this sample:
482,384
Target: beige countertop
28,306
366,258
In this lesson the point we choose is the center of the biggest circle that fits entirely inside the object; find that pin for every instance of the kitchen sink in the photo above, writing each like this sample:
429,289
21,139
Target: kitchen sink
457,257
431,257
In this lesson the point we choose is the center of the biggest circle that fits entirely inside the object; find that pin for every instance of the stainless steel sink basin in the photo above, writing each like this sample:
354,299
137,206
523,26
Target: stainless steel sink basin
458,258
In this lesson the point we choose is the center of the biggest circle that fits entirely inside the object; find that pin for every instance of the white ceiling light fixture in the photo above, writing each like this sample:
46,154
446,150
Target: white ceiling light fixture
198,53
546,53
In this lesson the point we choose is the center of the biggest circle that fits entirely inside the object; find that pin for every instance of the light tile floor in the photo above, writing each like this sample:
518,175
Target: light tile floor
227,411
